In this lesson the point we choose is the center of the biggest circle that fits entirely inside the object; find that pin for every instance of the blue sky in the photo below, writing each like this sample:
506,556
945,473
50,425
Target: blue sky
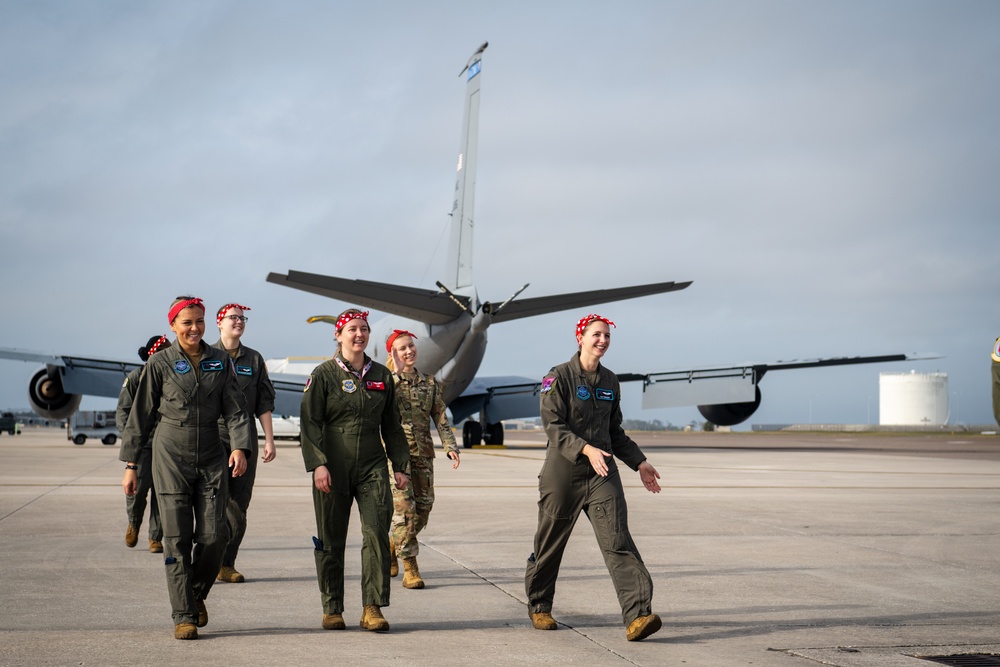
824,172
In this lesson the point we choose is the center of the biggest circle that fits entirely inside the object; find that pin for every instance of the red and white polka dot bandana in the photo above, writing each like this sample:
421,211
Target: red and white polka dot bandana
347,317
584,321
225,309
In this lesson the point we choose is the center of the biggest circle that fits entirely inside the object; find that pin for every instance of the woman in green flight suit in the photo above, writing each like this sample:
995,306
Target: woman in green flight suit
183,392
348,409
581,413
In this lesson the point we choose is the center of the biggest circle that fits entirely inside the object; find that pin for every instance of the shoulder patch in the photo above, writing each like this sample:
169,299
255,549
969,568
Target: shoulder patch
547,384
125,383
309,381
996,351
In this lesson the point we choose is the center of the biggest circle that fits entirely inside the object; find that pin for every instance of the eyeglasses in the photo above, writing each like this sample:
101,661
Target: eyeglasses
236,318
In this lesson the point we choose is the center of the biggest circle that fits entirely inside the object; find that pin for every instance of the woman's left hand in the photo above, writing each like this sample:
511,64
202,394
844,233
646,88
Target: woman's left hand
648,475
401,479
269,451
238,462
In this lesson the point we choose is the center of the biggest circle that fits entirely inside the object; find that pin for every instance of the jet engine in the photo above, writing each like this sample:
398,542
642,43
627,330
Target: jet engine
730,414
47,396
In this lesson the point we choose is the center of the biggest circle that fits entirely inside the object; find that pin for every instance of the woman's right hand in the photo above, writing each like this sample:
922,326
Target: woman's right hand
597,456
321,478
130,482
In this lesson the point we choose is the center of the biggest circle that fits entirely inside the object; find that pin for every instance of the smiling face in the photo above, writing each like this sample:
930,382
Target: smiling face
233,324
406,351
353,337
595,339
189,325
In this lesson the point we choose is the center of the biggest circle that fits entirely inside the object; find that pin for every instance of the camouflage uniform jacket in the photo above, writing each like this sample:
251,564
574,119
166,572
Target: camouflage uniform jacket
419,402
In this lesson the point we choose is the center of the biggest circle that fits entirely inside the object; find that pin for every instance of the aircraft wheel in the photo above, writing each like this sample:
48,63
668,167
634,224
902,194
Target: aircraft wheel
472,434
79,439
493,435
110,439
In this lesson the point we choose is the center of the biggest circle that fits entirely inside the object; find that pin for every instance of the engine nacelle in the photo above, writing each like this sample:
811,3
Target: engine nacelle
48,398
730,414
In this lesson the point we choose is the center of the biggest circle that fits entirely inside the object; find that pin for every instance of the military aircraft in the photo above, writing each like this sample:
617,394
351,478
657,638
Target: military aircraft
451,324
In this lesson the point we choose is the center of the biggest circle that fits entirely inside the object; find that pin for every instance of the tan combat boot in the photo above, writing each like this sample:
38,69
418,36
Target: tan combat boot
155,547
394,562
185,631
643,627
202,614
333,622
131,536
230,575
411,574
372,619
543,620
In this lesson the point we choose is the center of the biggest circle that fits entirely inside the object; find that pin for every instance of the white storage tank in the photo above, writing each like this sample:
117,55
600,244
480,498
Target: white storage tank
913,399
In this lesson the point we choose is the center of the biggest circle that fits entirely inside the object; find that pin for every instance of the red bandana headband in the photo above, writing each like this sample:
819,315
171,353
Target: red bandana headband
225,309
584,321
181,305
352,315
156,346
396,333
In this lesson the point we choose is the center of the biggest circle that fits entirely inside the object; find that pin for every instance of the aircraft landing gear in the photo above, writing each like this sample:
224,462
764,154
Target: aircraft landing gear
493,434
472,434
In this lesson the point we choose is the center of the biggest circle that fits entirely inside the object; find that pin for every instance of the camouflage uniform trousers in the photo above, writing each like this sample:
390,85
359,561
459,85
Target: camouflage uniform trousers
412,506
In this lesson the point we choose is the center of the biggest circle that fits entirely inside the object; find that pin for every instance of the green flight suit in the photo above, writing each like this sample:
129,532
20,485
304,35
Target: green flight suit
420,402
135,506
345,416
190,463
258,392
996,381
580,408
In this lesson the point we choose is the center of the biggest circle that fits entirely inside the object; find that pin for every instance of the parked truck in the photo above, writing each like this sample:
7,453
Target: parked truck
98,424
8,423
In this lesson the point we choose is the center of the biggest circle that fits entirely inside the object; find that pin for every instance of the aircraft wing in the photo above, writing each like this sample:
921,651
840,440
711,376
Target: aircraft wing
423,305
551,304
502,397
725,394
56,390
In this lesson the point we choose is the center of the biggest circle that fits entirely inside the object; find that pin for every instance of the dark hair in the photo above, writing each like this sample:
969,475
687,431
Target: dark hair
144,350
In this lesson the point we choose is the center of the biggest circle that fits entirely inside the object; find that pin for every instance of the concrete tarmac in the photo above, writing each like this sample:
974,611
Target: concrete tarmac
765,549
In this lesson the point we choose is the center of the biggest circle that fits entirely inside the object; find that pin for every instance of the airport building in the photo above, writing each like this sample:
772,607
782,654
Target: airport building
913,399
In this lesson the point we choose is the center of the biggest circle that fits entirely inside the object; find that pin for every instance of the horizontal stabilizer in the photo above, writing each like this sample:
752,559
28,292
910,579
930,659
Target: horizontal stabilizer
559,302
423,305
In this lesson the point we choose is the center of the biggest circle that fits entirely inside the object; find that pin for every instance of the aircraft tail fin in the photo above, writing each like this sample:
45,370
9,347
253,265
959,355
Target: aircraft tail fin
460,247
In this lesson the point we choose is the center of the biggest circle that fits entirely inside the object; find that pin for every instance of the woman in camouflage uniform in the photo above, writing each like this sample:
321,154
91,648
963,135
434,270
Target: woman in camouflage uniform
420,402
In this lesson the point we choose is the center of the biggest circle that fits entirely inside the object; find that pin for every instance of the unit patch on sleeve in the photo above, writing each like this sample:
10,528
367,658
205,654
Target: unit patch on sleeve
996,351
547,385
309,381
